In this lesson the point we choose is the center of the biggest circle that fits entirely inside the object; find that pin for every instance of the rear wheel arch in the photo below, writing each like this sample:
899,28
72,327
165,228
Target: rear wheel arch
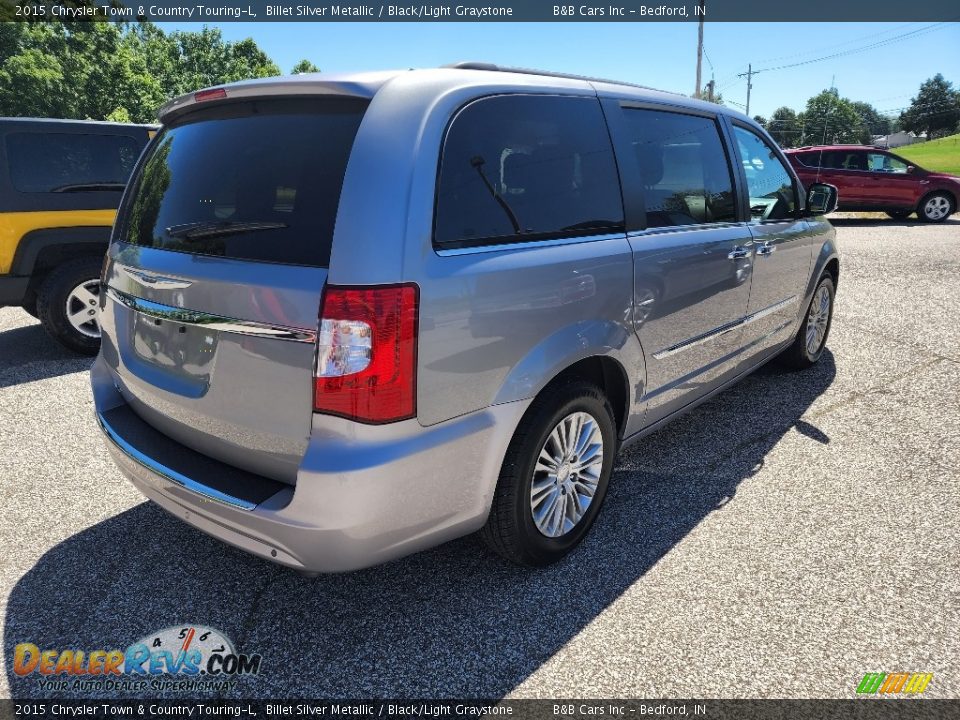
41,250
832,268
608,375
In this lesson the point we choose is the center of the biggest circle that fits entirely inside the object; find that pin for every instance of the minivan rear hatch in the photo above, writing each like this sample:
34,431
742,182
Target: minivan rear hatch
215,274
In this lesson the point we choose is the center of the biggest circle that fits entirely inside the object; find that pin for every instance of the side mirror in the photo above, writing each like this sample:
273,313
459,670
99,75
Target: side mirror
821,199
911,169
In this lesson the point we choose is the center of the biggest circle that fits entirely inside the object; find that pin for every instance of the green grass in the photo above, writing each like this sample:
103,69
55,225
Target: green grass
941,155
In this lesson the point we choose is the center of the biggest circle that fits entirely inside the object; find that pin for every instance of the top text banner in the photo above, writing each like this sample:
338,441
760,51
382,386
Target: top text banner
853,11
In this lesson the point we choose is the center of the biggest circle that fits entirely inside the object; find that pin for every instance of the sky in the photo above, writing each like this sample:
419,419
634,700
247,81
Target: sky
661,55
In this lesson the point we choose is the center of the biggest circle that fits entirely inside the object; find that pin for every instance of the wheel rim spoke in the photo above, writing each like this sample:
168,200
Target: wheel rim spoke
566,474
817,320
937,208
82,307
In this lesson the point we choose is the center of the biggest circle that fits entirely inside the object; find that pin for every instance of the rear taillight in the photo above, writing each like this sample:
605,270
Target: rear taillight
366,353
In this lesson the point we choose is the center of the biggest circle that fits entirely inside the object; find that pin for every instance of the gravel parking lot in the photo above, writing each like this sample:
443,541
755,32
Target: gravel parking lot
782,540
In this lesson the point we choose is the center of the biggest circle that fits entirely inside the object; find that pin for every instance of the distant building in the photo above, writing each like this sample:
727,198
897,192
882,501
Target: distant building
896,139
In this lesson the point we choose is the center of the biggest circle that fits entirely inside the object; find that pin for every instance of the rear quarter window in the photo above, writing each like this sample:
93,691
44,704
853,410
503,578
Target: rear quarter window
70,162
526,167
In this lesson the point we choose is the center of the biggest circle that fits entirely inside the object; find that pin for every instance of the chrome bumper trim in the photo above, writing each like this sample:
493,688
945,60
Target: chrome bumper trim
170,474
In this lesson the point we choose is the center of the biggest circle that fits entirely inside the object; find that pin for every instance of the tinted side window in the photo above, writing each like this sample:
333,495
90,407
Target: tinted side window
810,159
844,160
772,196
685,172
70,162
523,167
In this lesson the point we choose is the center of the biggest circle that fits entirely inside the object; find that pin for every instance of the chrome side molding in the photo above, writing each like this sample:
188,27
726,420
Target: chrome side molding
724,329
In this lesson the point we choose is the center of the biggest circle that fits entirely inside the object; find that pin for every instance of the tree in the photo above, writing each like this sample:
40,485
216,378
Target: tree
76,70
188,61
873,123
102,70
829,118
935,110
304,66
783,127
760,120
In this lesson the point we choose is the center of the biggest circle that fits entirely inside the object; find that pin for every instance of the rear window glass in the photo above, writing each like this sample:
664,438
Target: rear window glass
249,181
526,167
70,162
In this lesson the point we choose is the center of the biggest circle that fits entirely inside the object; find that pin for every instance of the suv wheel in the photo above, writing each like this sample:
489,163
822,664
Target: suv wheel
936,207
554,477
67,304
811,339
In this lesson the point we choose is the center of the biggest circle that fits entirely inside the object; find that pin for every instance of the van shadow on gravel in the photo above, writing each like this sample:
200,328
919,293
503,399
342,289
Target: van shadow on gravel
27,354
451,622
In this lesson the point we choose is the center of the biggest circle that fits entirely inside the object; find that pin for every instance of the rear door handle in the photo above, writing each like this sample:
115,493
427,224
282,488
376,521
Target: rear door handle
766,248
738,252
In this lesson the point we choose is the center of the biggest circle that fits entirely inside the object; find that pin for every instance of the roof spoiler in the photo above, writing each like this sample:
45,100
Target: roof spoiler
291,86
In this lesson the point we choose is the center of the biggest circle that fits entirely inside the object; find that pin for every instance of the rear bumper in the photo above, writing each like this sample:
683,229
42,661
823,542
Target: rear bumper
364,494
13,289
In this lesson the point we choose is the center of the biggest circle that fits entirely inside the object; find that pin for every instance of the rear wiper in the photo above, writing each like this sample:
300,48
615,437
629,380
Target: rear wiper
197,230
90,187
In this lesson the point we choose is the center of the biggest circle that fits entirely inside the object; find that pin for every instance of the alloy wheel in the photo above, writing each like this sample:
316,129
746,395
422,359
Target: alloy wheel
566,475
936,208
818,320
81,308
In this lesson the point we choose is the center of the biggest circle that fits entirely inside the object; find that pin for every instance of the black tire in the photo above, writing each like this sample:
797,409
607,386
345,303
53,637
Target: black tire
798,356
52,303
899,214
927,213
510,530
30,306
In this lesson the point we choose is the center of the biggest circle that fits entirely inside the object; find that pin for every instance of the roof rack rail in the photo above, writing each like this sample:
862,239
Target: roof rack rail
492,67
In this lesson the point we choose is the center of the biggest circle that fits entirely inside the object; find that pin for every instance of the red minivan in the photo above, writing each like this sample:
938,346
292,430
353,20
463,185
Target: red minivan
872,179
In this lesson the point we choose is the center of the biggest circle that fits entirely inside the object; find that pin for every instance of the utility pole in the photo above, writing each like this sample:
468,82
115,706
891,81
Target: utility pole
710,90
700,46
749,76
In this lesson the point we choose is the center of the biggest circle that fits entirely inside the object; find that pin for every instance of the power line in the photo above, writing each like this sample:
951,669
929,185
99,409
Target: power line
723,82
838,45
889,41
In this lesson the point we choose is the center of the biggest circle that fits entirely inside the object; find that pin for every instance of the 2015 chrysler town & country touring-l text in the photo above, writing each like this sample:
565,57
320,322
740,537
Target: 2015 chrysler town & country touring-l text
346,318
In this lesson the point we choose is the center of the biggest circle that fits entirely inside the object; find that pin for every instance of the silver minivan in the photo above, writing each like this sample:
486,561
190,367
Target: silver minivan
349,317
